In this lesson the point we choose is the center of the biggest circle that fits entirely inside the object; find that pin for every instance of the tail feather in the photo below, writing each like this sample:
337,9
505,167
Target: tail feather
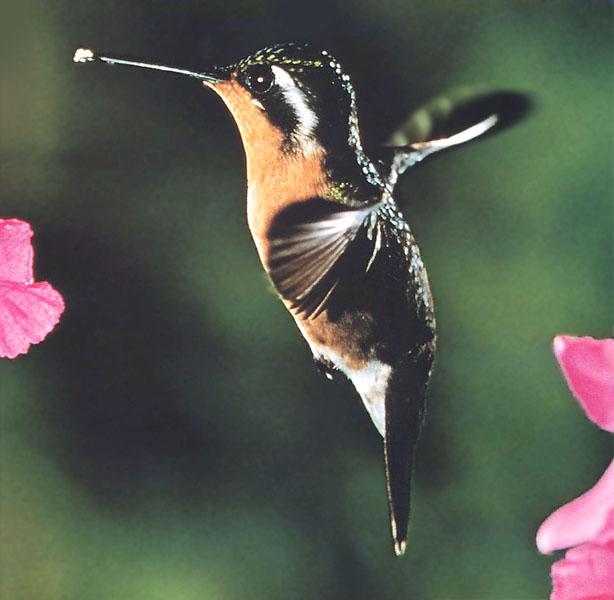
405,399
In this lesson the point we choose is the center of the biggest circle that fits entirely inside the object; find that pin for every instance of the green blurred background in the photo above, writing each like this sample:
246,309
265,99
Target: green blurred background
172,439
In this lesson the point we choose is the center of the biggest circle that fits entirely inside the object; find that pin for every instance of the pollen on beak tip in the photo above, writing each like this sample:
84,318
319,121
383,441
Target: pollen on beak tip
83,55
399,547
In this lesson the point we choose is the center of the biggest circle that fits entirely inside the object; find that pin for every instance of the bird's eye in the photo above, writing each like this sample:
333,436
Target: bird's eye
259,79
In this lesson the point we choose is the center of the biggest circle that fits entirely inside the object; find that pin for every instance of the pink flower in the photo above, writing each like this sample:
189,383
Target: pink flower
588,366
586,524
28,310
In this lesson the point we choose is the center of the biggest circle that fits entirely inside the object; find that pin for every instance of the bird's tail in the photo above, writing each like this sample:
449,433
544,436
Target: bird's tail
405,398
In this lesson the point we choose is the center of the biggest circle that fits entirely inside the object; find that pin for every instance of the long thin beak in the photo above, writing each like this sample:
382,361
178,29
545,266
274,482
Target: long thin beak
83,55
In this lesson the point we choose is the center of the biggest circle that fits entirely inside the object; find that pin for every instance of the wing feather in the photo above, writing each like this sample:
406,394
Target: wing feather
451,120
307,245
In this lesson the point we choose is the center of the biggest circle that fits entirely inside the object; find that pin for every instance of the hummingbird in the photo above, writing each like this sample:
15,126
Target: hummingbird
329,234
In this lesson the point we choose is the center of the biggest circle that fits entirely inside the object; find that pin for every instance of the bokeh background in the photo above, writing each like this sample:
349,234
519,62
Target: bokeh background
171,439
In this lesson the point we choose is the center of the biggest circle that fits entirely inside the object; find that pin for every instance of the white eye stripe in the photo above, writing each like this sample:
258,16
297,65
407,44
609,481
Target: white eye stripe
307,118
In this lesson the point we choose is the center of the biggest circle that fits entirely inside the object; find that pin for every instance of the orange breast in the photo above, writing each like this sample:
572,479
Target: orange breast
275,179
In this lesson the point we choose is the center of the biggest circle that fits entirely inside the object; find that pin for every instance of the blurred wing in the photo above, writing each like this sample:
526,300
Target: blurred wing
308,245
451,120
407,157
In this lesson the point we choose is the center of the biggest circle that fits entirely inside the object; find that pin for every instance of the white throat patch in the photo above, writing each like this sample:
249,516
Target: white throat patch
306,117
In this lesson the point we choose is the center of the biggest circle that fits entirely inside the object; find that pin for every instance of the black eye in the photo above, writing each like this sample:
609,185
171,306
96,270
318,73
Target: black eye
259,79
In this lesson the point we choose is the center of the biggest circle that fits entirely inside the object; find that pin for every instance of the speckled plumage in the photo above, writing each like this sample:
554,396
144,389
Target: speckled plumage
342,257
330,235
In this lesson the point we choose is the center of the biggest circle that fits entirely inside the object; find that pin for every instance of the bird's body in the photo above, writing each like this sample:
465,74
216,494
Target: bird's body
332,239
341,256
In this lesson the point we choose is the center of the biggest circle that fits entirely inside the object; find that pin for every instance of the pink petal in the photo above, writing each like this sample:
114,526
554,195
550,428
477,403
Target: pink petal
16,253
589,517
588,366
27,314
586,573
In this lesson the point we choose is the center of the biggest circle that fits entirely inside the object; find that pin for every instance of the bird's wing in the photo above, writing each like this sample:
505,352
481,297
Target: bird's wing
309,245
451,120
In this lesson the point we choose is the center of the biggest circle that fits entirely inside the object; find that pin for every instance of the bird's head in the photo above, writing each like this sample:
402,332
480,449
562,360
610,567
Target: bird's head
289,101
302,94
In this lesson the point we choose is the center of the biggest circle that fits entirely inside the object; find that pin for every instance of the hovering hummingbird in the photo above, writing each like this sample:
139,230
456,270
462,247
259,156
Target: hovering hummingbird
330,234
